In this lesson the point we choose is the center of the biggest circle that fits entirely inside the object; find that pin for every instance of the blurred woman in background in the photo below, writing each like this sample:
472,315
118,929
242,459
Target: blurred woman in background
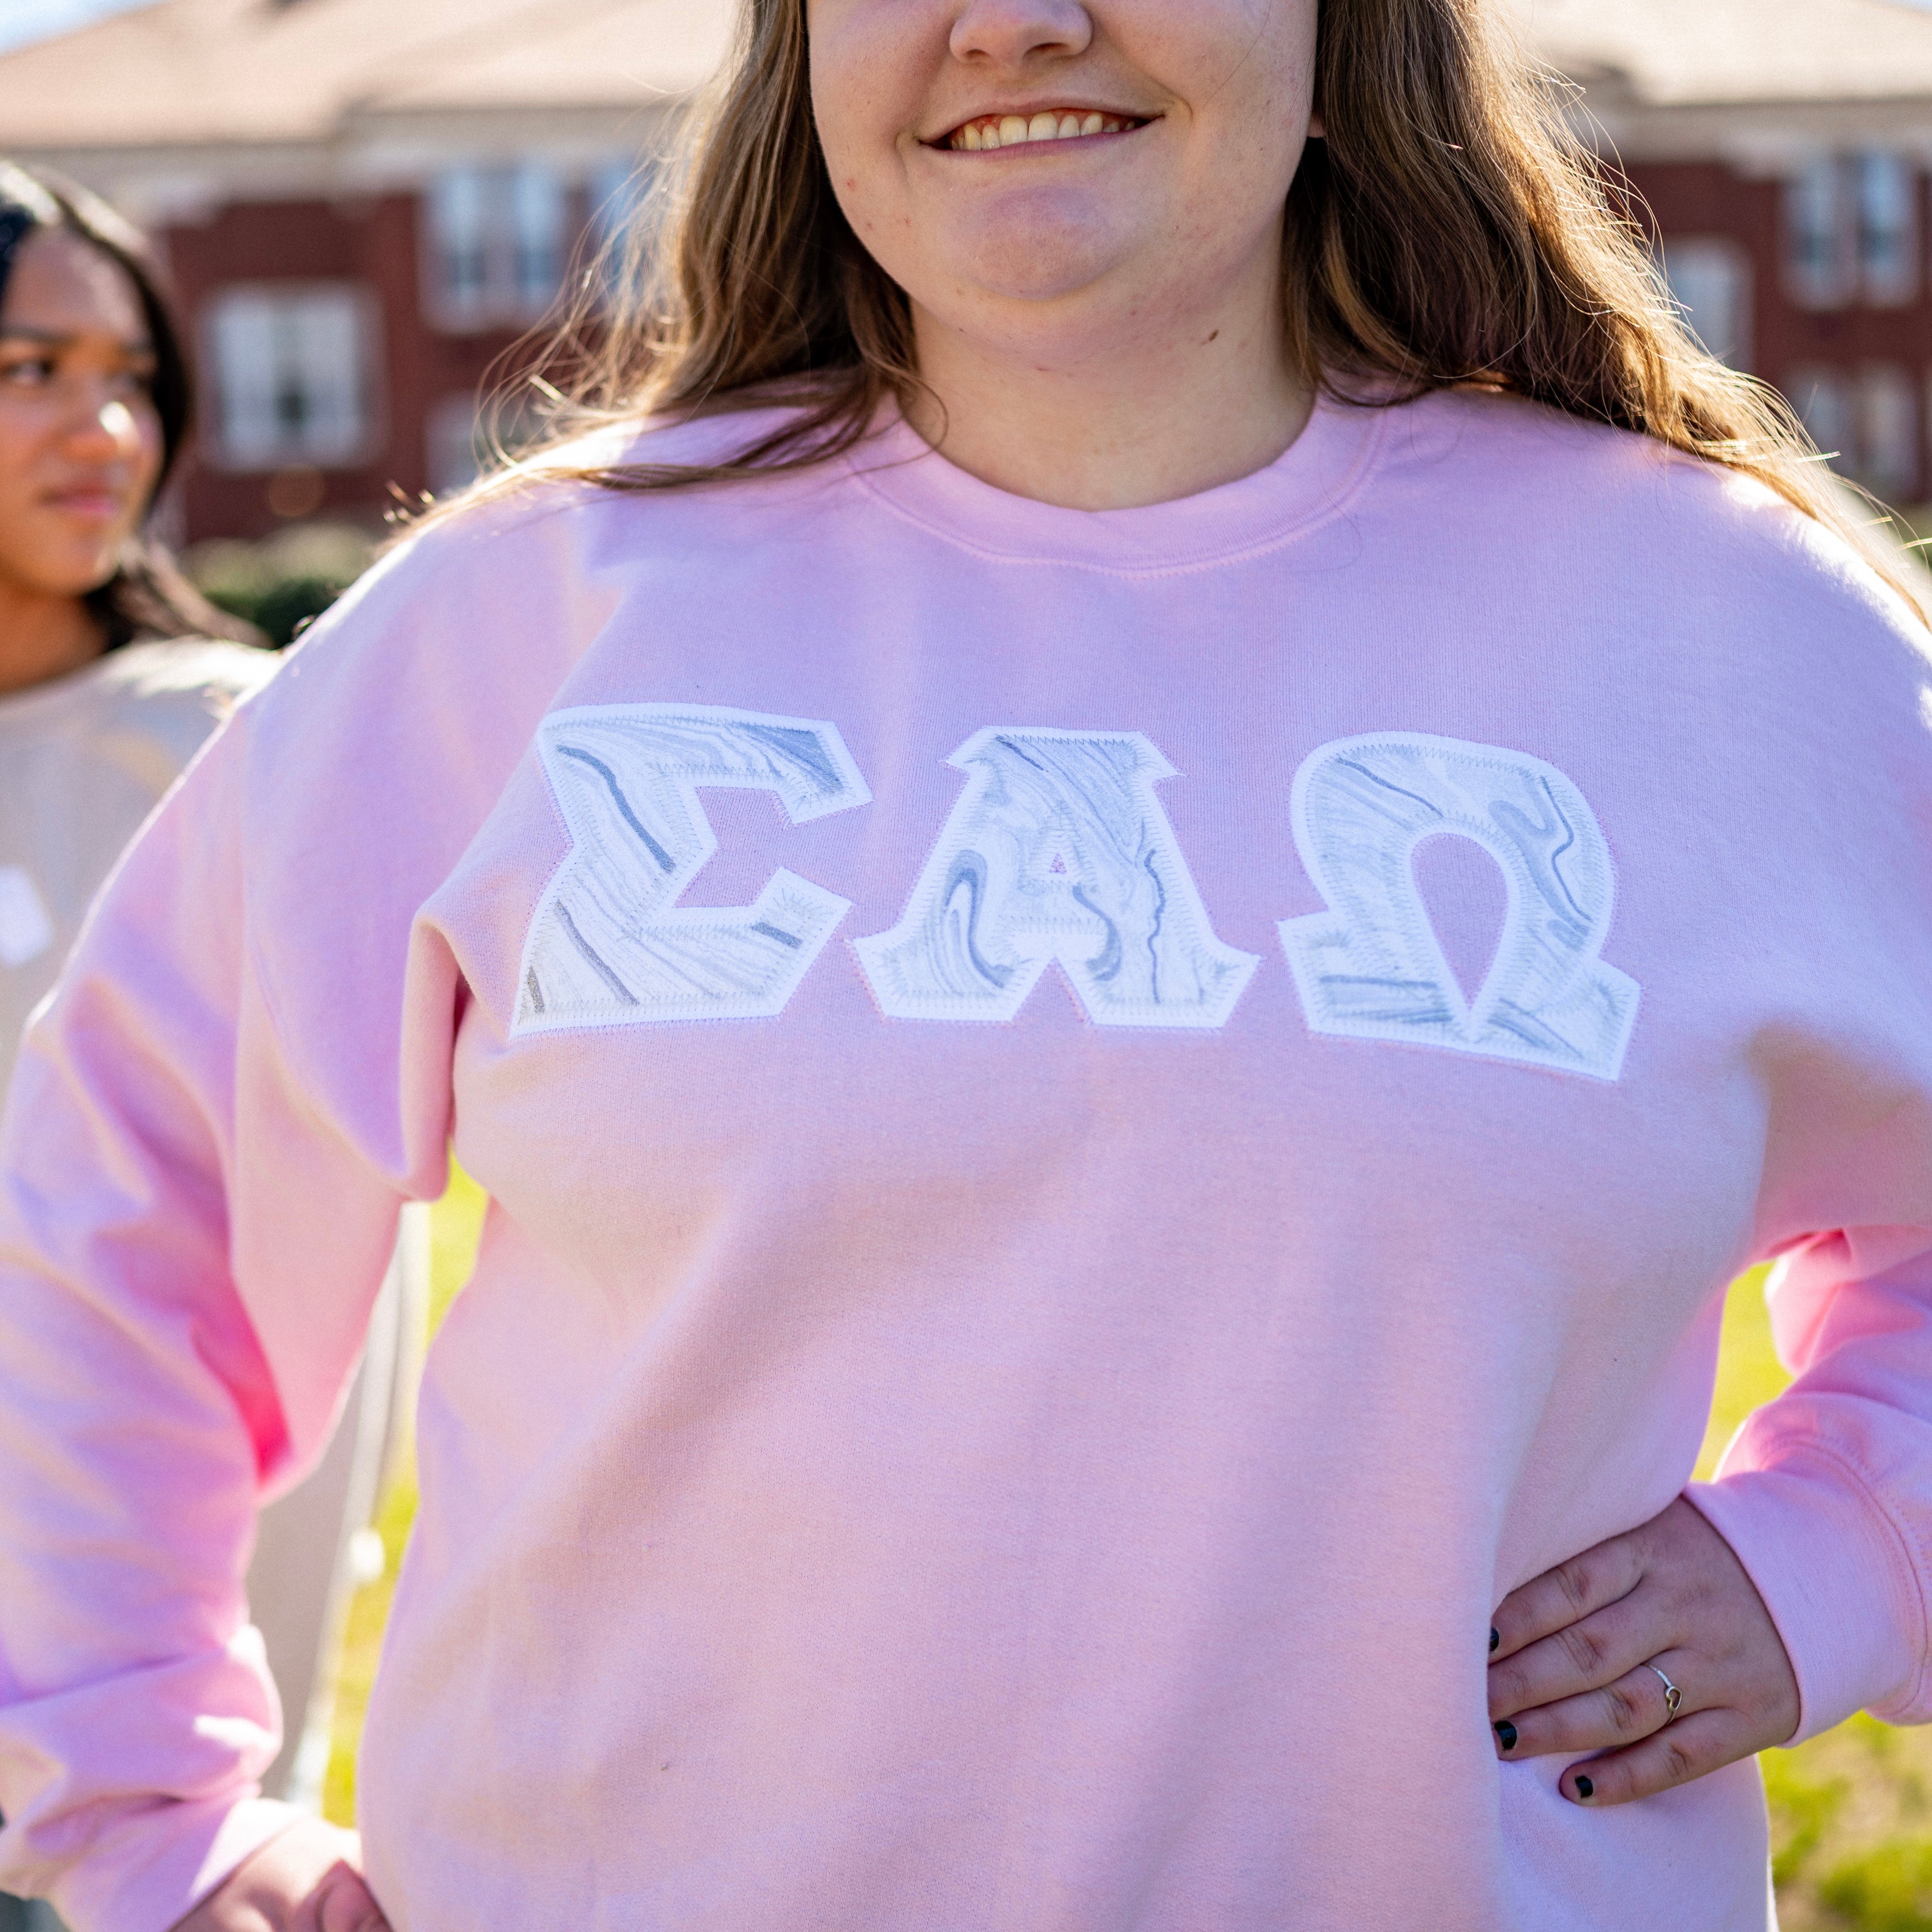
114,670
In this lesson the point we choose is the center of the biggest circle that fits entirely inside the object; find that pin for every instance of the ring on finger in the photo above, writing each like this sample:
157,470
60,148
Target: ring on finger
1673,1696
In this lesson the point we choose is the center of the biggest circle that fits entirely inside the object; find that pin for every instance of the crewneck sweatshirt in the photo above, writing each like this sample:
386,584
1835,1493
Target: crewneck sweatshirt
1102,1128
83,760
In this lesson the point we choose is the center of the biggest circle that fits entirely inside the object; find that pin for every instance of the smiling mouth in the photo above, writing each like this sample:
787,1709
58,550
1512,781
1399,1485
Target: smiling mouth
1050,123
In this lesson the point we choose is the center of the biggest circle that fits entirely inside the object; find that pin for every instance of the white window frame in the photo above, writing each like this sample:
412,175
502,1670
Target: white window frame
1710,281
506,225
1885,192
272,313
1822,397
1820,240
1884,430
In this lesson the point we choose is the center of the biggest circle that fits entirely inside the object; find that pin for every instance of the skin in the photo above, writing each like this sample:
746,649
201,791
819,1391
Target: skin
1099,321
308,1879
1571,1670
80,449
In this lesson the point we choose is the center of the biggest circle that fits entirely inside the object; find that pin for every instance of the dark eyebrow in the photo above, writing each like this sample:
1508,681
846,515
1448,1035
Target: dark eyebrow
54,339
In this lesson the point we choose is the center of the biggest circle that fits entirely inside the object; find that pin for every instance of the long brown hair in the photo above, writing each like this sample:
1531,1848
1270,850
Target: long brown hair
147,596
1451,230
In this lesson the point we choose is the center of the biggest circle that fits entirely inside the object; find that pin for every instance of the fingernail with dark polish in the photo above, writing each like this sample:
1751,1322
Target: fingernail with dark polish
1584,1789
1495,1636
1505,1732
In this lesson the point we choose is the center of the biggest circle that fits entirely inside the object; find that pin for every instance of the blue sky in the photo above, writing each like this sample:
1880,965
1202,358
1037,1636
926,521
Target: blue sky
24,20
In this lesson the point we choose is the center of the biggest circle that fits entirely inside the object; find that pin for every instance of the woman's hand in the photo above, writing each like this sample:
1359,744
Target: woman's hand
308,1879
1575,1655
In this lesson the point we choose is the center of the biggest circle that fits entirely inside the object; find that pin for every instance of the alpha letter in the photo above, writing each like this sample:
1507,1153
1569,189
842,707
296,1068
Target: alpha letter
1057,849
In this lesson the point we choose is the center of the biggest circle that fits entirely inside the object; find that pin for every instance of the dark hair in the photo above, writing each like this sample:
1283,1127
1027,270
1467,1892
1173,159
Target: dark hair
147,596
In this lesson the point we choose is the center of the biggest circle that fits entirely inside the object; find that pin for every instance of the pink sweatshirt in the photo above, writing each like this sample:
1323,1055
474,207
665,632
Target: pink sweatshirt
1041,1281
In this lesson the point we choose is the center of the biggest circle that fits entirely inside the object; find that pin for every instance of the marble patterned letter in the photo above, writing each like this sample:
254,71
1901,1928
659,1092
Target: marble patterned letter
1058,850
608,944
1370,967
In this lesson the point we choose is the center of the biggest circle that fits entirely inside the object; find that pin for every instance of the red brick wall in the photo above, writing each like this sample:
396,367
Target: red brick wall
372,241
1707,198
375,241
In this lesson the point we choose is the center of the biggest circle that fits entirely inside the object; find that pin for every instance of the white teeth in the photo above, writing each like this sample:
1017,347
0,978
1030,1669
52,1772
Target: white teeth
1013,130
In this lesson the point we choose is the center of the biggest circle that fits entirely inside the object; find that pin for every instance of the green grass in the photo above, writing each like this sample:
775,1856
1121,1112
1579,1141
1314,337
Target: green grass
1851,1824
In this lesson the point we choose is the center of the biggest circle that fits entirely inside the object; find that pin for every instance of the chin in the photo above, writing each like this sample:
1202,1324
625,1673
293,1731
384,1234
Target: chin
1035,254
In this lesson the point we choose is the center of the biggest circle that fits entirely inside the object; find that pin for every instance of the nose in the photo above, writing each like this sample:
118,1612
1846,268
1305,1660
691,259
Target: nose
104,429
1008,33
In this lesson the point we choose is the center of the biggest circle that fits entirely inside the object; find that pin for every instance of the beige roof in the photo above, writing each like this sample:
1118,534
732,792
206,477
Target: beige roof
192,73
1700,52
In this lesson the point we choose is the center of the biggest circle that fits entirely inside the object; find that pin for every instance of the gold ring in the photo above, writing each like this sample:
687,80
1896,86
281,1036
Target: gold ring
1673,1696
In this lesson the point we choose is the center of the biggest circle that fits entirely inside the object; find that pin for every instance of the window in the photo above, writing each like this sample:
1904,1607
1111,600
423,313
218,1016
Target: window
1851,231
1819,240
1710,281
465,437
1822,398
626,205
496,244
1867,423
293,377
1886,432
1887,188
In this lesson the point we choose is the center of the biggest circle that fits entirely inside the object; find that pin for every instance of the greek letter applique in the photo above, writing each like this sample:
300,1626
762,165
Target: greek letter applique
608,942
1058,850
1370,967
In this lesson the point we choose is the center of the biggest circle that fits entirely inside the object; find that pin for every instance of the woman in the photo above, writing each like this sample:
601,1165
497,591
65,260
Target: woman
1029,1321
113,672
94,405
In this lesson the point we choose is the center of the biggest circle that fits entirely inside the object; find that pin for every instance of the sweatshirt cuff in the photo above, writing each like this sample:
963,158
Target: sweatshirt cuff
153,1869
1837,1578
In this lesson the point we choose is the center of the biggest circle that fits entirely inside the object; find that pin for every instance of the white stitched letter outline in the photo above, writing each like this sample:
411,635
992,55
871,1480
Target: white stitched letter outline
1371,967
607,943
1058,850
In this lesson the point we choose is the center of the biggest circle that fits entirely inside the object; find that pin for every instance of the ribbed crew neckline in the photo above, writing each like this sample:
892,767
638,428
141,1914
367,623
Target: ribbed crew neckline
1304,486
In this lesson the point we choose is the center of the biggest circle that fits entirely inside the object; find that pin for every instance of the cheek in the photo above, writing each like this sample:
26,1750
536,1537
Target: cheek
27,441
149,448
871,62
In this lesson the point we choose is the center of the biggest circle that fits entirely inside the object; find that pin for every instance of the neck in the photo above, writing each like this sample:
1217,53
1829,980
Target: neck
1111,419
43,635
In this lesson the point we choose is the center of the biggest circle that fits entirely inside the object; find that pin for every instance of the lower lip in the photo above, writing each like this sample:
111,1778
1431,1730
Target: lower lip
90,508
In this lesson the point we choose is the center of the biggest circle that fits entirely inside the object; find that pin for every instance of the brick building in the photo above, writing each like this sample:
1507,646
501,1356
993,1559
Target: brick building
366,203
1782,146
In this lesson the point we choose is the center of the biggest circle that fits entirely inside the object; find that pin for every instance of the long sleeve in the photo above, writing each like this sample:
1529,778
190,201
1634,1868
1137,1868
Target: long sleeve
158,1167
244,1072
1826,1493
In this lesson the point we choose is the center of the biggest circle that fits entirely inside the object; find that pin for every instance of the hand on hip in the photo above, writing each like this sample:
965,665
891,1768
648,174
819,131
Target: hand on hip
308,1880
1654,1648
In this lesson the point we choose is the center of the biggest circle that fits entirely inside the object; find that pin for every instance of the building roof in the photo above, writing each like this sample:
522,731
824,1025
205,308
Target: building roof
1680,53
201,74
